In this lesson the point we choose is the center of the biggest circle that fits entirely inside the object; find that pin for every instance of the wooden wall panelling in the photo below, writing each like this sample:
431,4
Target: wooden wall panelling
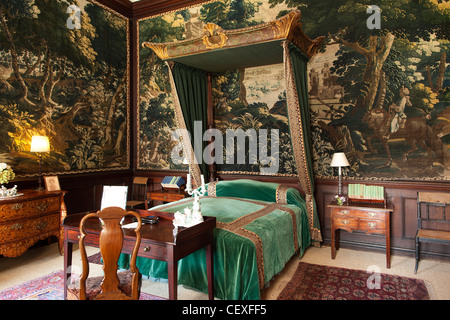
84,191
403,196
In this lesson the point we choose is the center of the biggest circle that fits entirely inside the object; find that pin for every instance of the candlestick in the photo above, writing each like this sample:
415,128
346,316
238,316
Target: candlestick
188,185
194,216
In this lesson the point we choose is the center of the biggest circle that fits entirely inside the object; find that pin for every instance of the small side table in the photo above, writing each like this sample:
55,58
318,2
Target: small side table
364,218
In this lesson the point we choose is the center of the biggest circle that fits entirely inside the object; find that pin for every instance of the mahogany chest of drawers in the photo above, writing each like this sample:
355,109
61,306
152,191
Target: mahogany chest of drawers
361,218
36,215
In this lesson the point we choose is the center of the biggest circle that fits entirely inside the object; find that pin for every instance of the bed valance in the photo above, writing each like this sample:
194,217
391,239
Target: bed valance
218,50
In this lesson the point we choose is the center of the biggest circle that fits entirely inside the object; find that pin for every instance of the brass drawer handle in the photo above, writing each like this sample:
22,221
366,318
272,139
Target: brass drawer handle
372,214
345,222
17,206
372,224
42,206
16,226
42,225
345,211
146,249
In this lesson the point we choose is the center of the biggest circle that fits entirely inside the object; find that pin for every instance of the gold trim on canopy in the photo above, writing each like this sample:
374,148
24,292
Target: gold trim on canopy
298,141
287,27
183,133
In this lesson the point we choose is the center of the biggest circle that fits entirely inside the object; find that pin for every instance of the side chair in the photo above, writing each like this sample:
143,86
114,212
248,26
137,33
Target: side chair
432,225
138,198
113,285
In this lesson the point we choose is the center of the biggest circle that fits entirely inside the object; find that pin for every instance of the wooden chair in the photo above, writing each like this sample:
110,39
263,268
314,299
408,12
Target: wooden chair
113,285
138,196
431,227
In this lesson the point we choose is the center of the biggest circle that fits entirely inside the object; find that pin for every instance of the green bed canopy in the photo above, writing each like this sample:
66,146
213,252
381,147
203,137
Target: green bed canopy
192,62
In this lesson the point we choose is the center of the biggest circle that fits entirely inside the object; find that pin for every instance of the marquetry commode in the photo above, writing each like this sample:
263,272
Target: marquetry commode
368,219
36,215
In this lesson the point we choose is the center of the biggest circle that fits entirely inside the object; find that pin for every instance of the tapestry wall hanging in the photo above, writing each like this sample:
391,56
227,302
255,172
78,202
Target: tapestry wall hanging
378,88
64,74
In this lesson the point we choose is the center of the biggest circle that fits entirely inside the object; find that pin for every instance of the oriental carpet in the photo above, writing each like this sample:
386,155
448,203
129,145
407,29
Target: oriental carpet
316,282
49,287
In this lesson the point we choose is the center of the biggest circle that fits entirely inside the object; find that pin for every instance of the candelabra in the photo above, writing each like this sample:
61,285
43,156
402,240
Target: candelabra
194,216
199,192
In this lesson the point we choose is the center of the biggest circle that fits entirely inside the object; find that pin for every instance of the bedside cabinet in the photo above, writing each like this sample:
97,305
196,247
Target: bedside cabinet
361,218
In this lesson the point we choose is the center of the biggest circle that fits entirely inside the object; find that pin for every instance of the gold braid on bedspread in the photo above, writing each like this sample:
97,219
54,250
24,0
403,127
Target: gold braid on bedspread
238,226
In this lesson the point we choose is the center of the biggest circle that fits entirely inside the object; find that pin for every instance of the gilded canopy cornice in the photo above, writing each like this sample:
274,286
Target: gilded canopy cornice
214,37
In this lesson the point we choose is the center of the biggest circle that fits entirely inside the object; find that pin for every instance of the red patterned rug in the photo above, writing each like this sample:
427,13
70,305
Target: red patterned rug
49,287
315,282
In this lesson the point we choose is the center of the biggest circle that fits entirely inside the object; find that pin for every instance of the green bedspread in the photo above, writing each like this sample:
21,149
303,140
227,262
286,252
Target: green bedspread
254,239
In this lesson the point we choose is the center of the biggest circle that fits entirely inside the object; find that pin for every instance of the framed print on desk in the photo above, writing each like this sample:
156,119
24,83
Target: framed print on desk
51,183
114,196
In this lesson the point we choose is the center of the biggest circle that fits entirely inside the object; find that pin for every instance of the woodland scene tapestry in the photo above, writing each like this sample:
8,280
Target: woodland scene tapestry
63,74
378,88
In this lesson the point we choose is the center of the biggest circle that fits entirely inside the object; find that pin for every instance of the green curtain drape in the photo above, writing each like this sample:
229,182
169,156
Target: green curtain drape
299,64
192,90
300,126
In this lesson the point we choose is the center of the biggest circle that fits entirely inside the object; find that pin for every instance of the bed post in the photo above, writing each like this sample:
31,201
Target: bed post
210,125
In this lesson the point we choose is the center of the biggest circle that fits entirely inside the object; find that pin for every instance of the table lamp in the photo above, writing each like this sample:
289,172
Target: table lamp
40,144
339,160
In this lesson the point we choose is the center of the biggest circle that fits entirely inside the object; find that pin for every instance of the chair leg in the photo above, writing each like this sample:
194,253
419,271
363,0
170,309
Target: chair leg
417,254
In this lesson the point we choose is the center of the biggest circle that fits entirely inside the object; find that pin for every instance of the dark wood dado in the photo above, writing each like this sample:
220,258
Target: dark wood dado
84,193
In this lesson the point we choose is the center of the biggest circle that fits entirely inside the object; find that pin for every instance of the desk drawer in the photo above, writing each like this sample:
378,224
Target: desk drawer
342,212
342,222
371,214
372,226
355,213
153,251
166,197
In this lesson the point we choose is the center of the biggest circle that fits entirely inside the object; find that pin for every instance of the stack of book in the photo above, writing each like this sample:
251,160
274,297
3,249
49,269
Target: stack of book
365,193
172,182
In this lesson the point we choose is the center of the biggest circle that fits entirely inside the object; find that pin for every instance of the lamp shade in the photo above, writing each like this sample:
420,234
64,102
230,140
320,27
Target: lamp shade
339,160
39,144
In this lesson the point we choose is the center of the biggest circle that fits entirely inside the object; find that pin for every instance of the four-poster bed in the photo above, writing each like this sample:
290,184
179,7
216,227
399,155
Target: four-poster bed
260,225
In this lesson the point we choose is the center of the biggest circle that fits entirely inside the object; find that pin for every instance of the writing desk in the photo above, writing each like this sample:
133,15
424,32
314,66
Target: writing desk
157,242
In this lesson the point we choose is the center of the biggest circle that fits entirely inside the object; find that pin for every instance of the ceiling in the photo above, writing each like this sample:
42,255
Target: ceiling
144,8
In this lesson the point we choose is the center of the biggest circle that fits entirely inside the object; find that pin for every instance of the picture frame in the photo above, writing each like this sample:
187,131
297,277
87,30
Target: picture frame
114,196
51,183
